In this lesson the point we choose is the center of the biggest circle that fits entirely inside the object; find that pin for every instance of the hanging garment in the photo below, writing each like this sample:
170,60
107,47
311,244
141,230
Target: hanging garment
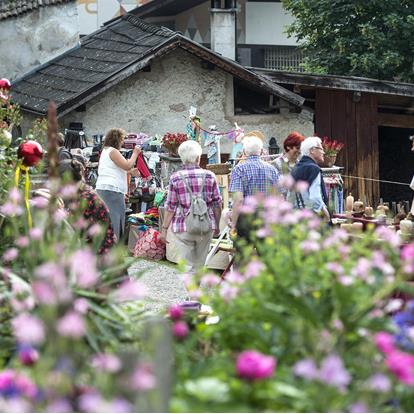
143,167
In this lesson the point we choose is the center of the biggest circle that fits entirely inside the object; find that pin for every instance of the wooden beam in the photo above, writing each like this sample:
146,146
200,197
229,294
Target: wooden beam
396,120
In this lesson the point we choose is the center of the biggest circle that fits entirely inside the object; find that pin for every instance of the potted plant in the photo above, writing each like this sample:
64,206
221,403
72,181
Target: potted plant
171,142
331,148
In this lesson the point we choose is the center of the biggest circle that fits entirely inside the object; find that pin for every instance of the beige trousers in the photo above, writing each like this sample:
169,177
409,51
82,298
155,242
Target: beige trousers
192,248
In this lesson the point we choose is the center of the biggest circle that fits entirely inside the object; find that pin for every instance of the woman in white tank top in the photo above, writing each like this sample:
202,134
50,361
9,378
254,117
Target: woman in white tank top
112,177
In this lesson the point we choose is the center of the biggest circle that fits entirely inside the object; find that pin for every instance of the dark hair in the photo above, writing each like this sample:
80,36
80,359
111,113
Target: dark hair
73,168
113,138
294,139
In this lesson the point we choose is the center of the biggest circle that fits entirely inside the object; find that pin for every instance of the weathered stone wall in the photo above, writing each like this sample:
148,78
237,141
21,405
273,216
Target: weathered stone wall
157,102
36,37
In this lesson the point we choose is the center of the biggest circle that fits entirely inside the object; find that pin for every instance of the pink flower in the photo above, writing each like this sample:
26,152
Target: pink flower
106,362
94,230
71,325
407,252
384,342
180,329
59,215
68,191
234,277
228,292
306,368
210,280
14,195
36,233
358,407
286,181
81,306
175,312
253,365
345,280
83,266
263,232
401,365
22,241
28,355
335,267
59,406
379,383
388,235
9,209
254,269
44,293
39,202
22,299
309,246
28,329
10,254
25,386
333,372
129,290
90,402
143,378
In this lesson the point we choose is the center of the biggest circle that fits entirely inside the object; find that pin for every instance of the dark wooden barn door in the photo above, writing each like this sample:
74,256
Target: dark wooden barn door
352,120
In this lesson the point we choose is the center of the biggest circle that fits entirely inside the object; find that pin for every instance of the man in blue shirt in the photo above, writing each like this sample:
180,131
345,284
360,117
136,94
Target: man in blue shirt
251,176
308,170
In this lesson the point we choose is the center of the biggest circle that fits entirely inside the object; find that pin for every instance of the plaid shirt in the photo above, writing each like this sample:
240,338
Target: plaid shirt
253,176
179,199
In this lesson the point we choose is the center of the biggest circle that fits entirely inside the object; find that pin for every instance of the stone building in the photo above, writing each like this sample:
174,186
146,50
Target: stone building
33,32
144,78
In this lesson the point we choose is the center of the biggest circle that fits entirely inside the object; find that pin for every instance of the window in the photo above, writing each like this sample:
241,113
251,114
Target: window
251,101
283,58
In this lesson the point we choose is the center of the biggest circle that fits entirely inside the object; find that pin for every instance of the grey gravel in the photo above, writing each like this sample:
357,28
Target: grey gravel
163,282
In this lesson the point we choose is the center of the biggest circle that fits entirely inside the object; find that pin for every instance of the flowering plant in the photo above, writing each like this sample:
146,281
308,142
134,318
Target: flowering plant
313,303
172,141
331,147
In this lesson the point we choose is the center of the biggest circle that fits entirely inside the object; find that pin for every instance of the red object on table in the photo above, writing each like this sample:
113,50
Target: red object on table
142,167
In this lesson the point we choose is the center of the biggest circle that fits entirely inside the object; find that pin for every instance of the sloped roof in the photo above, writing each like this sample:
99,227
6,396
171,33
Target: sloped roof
350,83
13,8
110,55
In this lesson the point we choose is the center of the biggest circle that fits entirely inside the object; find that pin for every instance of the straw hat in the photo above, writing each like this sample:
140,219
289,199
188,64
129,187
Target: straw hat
257,134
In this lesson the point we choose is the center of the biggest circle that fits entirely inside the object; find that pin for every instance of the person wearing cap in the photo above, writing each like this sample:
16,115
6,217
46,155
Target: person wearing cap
247,179
308,170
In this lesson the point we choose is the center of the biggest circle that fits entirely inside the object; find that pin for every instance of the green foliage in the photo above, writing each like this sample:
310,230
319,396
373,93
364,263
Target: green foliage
312,293
359,38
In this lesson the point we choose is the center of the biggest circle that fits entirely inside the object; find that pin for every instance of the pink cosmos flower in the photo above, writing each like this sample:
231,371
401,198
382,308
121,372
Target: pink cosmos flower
358,407
384,342
254,269
83,266
210,280
36,233
335,267
234,277
39,202
59,215
306,368
333,372
71,325
345,280
407,252
14,195
28,329
401,365
106,362
44,293
263,232
175,312
81,306
228,292
9,209
143,378
253,365
129,290
10,254
60,405
309,246
388,235
22,241
180,329
379,383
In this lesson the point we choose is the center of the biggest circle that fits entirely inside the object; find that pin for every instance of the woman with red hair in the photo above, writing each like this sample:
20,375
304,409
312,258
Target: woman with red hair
286,161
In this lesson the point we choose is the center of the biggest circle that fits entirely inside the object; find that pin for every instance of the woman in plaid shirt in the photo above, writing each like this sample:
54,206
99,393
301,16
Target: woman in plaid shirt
193,248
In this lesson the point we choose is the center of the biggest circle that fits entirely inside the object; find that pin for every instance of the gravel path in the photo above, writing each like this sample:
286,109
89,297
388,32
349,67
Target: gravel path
163,283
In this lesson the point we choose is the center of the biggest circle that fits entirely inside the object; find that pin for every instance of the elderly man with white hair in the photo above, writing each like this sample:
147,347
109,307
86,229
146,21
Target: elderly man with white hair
248,178
308,170
183,186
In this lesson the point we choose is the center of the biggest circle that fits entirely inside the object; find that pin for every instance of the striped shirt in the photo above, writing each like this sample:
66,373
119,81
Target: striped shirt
179,199
253,176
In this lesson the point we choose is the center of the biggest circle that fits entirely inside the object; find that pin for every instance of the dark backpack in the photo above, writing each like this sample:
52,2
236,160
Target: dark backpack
197,220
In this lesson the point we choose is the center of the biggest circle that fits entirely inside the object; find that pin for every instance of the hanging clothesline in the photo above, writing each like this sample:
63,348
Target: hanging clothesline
374,179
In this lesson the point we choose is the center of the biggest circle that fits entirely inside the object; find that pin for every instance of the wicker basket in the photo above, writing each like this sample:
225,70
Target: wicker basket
219,169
